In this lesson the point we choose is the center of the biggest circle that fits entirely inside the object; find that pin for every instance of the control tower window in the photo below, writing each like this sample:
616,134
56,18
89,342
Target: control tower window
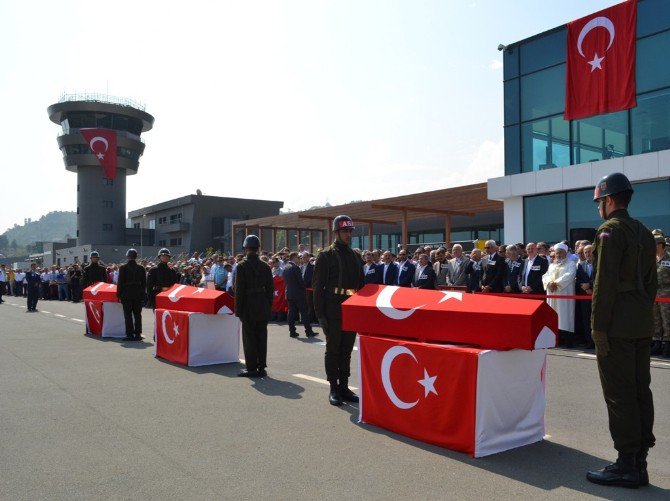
107,182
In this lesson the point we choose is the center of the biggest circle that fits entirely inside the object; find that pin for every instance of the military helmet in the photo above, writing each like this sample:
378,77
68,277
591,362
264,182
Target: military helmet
659,238
611,184
251,242
164,252
94,254
131,253
341,222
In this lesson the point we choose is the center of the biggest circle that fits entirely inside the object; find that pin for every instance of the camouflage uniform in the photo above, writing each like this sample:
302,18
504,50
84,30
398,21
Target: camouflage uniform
662,310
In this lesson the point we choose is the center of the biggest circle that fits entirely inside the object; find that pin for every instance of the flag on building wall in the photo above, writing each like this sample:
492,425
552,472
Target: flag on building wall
103,145
600,74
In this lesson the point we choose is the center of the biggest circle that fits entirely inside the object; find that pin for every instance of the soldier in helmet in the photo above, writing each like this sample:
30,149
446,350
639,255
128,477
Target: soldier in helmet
130,291
338,274
254,292
622,327
160,278
661,343
93,272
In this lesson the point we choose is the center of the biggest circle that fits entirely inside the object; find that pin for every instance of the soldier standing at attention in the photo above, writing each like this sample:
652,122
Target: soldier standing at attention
254,293
338,274
622,325
130,291
661,343
33,281
160,278
93,273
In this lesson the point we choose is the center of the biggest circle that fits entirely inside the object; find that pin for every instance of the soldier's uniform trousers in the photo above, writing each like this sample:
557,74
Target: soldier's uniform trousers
339,343
132,314
625,377
255,342
662,318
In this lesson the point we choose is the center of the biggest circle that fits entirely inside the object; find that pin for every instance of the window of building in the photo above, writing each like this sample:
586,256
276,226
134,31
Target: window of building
545,144
652,16
511,96
649,75
77,210
650,122
582,211
136,225
543,93
600,137
512,150
651,204
107,204
106,227
544,51
511,63
107,182
175,241
162,243
162,220
175,218
544,218
152,224
77,233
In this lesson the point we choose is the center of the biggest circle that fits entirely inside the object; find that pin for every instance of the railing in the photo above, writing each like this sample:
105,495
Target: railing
102,98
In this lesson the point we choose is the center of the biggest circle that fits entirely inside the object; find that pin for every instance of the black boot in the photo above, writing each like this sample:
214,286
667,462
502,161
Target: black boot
656,347
346,393
623,473
665,349
641,459
334,396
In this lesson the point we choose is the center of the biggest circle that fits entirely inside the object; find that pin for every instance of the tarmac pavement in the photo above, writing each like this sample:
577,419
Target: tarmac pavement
86,418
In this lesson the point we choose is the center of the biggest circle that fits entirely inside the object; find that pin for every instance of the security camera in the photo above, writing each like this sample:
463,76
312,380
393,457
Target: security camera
501,47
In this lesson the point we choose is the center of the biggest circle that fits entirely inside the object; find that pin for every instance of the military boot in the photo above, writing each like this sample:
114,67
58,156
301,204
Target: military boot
665,349
641,459
656,347
334,396
346,393
623,473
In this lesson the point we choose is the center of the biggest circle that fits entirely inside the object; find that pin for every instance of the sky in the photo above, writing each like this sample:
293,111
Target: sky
306,102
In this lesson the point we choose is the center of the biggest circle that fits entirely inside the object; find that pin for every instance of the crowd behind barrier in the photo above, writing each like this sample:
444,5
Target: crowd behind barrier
535,270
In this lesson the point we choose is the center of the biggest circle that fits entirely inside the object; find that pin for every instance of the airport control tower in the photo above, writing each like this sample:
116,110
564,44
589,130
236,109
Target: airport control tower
92,124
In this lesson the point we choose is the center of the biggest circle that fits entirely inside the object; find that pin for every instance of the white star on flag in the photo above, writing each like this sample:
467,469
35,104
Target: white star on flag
199,290
100,156
176,330
596,63
428,383
451,295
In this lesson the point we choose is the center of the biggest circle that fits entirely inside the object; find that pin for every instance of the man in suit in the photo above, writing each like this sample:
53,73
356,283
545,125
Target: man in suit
405,269
33,281
534,266
493,268
473,271
296,295
389,269
130,290
371,271
424,276
585,288
441,267
457,266
307,274
513,265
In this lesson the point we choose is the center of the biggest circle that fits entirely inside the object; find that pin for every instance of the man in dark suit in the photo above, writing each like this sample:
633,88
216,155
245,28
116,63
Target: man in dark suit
371,270
406,269
534,266
513,265
389,269
295,295
307,274
424,276
584,287
473,271
130,289
493,268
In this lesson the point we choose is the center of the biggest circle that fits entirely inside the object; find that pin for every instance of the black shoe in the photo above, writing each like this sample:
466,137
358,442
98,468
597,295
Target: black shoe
623,473
312,334
139,337
656,347
129,338
345,393
641,460
334,397
249,374
262,373
293,334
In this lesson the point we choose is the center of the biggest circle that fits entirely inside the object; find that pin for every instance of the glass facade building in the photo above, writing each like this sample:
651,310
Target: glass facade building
538,139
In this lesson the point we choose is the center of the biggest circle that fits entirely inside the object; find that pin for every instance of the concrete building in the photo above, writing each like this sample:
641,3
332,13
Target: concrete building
196,222
552,165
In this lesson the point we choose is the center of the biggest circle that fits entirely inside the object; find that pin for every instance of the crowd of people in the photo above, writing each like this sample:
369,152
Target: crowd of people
519,269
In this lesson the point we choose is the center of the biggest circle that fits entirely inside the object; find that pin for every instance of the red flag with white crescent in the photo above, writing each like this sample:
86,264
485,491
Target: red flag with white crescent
600,74
172,335
103,145
423,391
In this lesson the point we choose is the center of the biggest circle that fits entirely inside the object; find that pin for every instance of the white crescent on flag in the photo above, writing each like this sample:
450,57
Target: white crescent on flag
99,139
384,305
94,290
173,295
388,359
94,312
596,22
175,328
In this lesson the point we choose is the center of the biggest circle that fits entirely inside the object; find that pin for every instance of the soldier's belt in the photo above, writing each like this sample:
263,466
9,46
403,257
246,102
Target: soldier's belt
344,292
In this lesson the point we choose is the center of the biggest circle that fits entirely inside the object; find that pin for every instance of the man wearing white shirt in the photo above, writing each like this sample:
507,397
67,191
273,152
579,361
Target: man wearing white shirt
534,267
457,266
19,277
560,281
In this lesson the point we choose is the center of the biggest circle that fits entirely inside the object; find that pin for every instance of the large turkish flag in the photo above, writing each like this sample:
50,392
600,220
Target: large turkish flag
94,316
600,74
103,145
172,335
427,392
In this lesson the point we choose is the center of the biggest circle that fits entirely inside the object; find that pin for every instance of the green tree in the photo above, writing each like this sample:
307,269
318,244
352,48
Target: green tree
4,242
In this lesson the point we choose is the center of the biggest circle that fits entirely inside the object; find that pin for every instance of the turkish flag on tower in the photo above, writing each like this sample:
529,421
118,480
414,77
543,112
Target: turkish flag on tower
103,145
600,75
